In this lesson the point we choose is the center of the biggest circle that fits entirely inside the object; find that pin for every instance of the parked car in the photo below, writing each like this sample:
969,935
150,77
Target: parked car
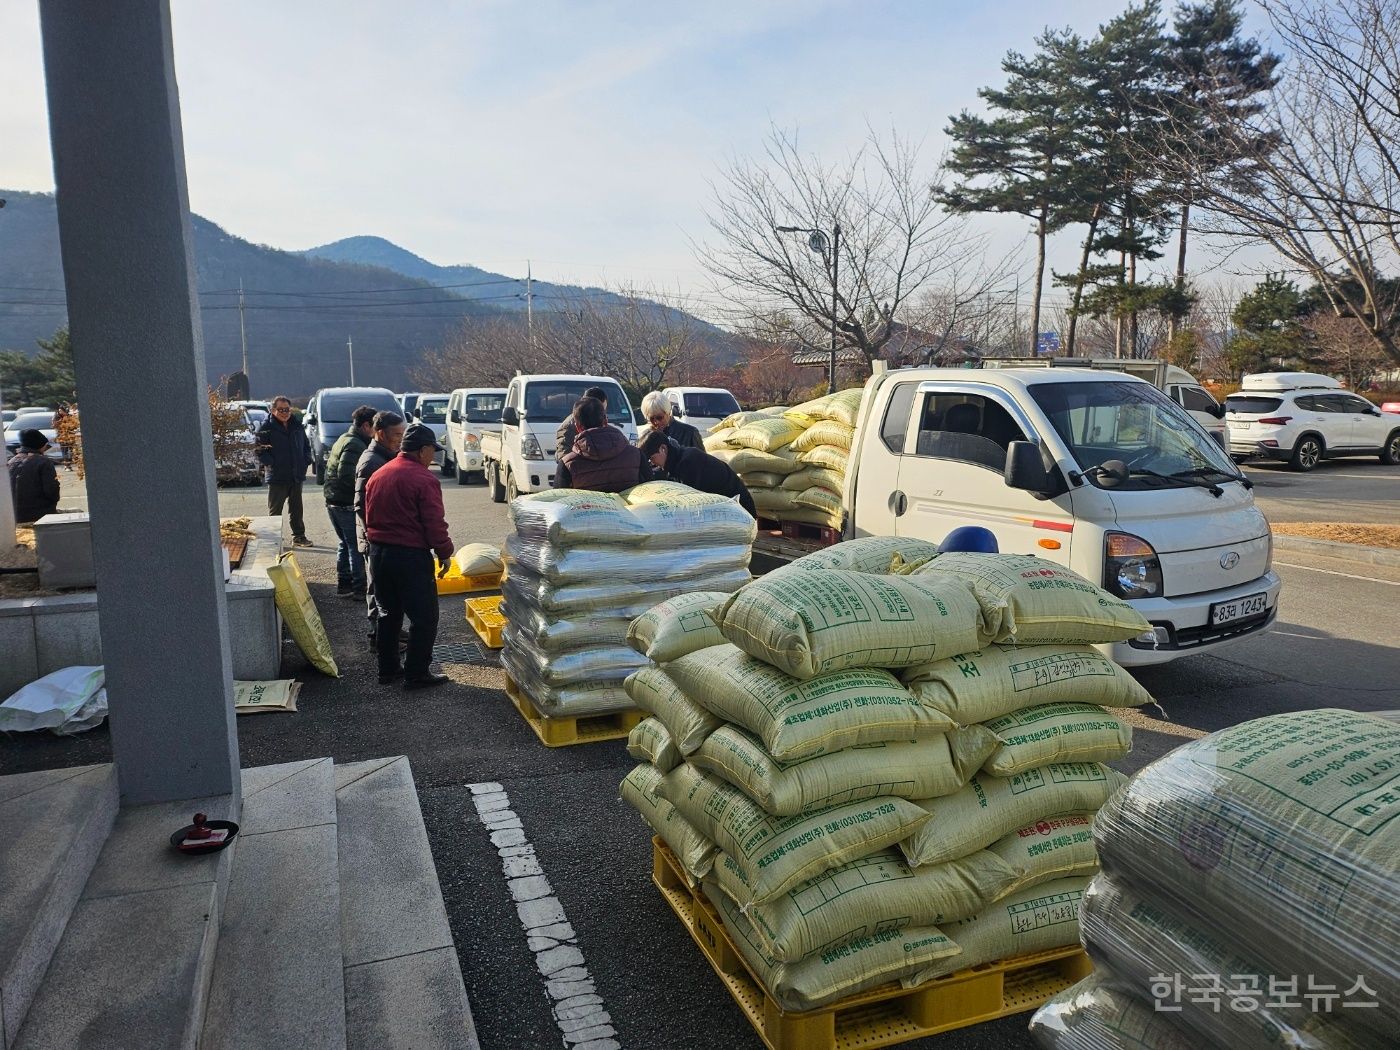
328,416
6,415
520,458
408,402
471,412
1302,418
1391,406
431,411
40,419
701,406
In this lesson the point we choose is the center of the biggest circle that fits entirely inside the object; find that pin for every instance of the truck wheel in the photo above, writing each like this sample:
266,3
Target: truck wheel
512,490
1390,453
493,482
1307,453
461,474
449,466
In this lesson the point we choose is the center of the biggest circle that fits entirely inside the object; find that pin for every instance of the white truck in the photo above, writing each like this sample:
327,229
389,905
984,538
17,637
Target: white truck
471,413
1098,471
701,406
520,458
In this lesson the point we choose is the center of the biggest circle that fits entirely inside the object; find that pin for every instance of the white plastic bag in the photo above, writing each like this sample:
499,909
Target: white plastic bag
67,701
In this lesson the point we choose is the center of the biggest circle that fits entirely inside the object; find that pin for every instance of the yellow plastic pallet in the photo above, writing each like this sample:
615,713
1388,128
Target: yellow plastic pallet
455,583
583,729
484,614
881,1016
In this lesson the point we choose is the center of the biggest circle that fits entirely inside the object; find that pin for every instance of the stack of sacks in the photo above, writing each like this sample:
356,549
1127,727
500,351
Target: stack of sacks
862,834
823,450
583,565
1248,892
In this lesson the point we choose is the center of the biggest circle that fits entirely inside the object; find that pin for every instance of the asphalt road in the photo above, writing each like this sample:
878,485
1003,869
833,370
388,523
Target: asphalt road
1334,644
1348,490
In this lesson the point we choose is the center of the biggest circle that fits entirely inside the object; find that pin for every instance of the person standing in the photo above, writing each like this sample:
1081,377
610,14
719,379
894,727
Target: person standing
568,430
33,478
602,458
697,468
406,525
656,408
388,439
339,490
282,447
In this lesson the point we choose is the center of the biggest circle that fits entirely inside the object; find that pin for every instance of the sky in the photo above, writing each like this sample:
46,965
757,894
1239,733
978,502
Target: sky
584,136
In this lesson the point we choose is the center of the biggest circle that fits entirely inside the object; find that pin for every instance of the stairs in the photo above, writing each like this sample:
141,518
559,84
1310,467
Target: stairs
321,928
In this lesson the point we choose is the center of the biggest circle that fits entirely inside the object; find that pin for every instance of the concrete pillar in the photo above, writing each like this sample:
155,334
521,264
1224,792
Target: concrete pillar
128,267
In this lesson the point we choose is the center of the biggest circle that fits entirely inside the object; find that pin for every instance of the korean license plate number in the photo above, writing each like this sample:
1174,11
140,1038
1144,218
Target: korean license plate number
1239,609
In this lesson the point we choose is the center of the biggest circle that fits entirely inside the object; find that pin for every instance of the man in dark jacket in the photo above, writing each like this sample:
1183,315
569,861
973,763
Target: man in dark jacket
568,430
388,438
656,408
33,479
697,468
602,458
339,489
406,526
282,446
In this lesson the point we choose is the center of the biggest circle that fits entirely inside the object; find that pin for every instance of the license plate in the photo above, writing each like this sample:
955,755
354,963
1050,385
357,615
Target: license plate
1238,426
1238,609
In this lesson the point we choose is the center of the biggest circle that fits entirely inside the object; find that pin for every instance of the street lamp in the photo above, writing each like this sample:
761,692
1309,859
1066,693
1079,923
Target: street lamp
817,241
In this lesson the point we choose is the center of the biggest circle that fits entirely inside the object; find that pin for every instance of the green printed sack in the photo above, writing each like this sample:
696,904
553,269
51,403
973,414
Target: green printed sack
824,432
776,853
1056,733
835,480
1033,920
808,622
843,406
767,434
905,768
821,499
876,892
974,817
687,722
872,554
695,852
827,457
1049,848
677,626
1285,831
840,970
649,742
1032,601
799,719
774,501
1002,679
747,461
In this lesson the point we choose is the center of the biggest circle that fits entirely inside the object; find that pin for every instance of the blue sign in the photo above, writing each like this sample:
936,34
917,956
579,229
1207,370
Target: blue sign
1047,343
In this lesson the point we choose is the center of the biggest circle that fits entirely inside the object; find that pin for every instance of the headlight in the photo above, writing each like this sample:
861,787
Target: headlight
1130,567
472,442
530,447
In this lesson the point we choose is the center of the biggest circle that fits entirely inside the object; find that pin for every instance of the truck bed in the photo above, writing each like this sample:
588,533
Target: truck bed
775,546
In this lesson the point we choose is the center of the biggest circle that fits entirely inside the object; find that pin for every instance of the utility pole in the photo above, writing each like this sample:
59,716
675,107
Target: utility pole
350,346
243,333
529,305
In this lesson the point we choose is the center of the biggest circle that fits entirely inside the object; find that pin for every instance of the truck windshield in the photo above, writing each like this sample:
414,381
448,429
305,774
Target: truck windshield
433,409
1135,423
710,405
484,408
552,401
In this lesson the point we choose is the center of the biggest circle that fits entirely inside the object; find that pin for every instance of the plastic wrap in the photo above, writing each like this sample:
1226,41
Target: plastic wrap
1148,947
614,662
575,699
1285,831
1094,1015
662,514
528,588
551,635
565,565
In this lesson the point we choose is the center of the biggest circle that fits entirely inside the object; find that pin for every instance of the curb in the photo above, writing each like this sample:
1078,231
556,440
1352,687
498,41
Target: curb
1333,549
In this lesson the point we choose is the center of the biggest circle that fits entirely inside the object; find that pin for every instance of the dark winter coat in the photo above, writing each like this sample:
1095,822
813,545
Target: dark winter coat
602,460
341,465
34,482
284,448
707,473
371,459
682,434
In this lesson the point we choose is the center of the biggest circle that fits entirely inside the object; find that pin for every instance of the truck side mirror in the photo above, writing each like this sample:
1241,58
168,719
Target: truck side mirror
677,411
510,417
456,416
1218,411
1025,469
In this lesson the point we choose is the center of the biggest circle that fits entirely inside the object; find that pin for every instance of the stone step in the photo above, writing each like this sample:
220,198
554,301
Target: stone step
278,972
132,969
52,828
403,985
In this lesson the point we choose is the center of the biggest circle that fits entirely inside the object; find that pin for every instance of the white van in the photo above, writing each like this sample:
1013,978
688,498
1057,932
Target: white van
471,412
431,411
701,406
521,457
1095,470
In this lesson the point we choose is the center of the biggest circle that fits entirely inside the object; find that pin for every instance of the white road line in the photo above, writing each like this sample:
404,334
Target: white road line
578,1010
1334,572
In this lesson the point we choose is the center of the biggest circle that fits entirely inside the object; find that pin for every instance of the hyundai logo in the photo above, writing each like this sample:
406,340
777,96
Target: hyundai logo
1229,560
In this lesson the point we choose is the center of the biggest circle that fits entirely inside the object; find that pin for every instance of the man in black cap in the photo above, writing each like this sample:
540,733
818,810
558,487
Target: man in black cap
406,527
33,478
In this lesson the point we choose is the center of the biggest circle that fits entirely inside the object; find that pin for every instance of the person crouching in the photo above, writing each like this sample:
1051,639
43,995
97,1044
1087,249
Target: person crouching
602,459
697,468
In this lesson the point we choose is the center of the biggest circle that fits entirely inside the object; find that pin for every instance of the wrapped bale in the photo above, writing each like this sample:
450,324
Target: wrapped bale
524,588
1097,1015
565,565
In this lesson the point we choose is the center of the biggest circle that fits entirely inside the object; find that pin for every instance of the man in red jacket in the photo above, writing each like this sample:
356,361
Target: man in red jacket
406,526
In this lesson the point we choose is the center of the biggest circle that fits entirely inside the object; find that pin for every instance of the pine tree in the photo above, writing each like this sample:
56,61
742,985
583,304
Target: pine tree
1269,327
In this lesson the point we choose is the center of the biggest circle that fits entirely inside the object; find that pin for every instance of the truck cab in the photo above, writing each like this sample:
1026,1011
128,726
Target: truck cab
1099,471
520,458
701,406
471,412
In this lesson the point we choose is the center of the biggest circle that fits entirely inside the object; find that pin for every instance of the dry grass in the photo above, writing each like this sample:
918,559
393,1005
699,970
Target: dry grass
1362,535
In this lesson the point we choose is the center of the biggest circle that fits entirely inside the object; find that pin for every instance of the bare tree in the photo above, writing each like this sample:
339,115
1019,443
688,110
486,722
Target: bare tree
1346,349
1325,192
894,241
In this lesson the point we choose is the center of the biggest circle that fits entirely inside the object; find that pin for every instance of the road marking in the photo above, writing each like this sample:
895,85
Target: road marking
1334,572
578,1010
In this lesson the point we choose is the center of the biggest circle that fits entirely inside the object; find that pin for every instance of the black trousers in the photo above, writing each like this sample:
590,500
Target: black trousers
404,584
291,496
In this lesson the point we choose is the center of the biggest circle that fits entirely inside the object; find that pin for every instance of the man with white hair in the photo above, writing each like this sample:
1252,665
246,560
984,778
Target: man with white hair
656,407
